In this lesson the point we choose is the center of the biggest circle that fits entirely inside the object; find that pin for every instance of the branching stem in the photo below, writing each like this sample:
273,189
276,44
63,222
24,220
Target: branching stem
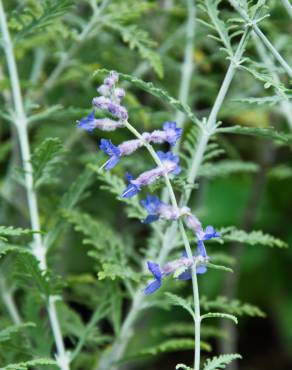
20,121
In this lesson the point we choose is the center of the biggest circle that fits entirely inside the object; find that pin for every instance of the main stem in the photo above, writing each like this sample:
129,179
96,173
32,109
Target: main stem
21,124
186,245
188,65
120,344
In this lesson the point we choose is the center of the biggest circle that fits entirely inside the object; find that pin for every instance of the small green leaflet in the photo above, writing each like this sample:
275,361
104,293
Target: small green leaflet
219,315
182,302
231,234
220,362
183,367
6,231
46,161
267,133
29,364
8,332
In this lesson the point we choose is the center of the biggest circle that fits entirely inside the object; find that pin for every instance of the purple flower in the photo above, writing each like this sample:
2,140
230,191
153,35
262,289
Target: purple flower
112,79
111,150
157,274
210,233
115,152
158,209
183,263
169,134
172,132
170,162
169,165
87,123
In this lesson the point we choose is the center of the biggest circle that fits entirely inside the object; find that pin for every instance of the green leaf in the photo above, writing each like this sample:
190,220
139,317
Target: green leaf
11,231
182,302
8,332
219,267
219,315
232,306
267,133
171,345
30,22
139,39
116,271
30,364
183,367
219,362
159,93
211,7
226,168
231,234
46,161
69,200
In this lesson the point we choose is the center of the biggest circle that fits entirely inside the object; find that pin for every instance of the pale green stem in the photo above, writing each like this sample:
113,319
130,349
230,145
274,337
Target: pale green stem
21,124
120,344
7,296
188,64
288,7
286,106
186,245
262,37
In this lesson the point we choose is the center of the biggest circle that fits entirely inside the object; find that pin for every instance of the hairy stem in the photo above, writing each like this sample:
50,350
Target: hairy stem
188,65
20,120
8,299
288,7
286,106
107,362
262,37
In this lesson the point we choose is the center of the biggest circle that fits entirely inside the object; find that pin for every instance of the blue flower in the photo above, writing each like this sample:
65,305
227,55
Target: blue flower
111,150
173,133
157,274
87,123
170,162
210,233
152,205
187,275
131,189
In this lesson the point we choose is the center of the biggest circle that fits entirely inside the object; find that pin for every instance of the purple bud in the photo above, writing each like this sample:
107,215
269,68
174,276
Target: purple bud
112,79
119,93
107,124
118,111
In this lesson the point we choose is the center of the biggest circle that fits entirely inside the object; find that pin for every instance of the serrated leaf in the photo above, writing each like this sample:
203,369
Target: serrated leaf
259,132
182,302
10,231
211,7
7,333
159,93
221,315
183,367
116,271
46,161
226,167
219,267
220,362
231,234
139,39
171,345
232,306
30,364
30,22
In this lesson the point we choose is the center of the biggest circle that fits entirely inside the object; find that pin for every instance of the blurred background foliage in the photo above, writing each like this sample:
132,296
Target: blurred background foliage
95,248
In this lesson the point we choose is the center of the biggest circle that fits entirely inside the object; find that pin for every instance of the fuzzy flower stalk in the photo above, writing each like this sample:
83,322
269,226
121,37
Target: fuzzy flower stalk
189,265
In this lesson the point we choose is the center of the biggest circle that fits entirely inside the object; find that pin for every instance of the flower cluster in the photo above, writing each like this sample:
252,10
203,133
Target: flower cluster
110,101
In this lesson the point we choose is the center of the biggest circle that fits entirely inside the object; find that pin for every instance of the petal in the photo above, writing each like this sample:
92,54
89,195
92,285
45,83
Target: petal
154,269
111,163
152,287
150,218
201,269
130,191
201,248
187,275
